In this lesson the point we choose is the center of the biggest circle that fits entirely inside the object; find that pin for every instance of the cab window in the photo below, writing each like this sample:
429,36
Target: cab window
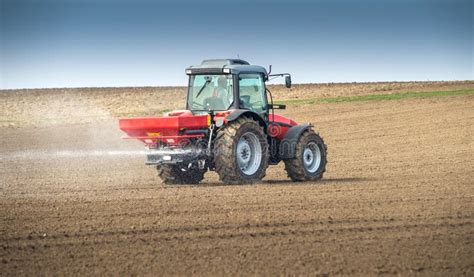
210,92
252,92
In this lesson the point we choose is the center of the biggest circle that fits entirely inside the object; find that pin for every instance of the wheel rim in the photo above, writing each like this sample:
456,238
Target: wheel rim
311,157
249,153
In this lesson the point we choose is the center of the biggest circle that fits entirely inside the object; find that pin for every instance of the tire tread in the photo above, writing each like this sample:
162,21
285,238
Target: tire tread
294,166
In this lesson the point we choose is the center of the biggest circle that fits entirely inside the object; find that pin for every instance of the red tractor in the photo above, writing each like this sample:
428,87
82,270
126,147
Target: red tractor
230,127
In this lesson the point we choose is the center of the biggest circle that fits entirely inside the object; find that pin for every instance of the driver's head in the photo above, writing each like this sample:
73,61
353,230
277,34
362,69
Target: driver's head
222,81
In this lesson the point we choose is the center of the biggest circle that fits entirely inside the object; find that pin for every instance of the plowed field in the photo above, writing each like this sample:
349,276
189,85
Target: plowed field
397,198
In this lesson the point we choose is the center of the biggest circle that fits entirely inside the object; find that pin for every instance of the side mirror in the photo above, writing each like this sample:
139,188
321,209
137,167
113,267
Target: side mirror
288,81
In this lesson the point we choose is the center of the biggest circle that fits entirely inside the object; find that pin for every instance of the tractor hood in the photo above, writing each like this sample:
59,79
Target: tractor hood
279,125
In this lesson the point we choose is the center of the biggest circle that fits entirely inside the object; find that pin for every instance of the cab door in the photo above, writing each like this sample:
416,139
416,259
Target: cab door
252,93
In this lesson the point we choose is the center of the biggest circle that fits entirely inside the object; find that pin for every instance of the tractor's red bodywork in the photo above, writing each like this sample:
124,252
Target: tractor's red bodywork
165,128
171,127
279,125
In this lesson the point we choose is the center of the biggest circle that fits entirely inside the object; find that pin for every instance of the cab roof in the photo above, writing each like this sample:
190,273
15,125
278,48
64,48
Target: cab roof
225,66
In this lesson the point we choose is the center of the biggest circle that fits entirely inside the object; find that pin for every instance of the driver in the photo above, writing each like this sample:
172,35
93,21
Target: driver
222,91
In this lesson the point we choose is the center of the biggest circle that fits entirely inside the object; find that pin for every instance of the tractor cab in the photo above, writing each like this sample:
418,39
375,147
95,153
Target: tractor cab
225,84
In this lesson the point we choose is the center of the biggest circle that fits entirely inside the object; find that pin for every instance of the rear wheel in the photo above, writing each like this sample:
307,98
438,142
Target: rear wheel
309,164
241,152
174,174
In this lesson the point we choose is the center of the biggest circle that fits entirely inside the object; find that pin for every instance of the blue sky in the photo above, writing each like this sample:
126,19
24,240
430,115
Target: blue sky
72,43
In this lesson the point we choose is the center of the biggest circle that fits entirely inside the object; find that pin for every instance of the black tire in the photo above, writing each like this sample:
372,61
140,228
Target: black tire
225,151
296,168
173,174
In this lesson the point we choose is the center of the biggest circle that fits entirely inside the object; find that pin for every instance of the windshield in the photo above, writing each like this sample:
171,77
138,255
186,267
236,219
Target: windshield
210,92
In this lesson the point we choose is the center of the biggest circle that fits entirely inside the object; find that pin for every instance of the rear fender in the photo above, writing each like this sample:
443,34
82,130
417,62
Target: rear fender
235,114
288,144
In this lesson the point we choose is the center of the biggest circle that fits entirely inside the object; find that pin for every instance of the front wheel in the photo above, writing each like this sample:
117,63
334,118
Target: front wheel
309,163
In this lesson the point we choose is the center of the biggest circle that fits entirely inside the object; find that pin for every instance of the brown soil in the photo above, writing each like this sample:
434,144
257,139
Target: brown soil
397,198
45,107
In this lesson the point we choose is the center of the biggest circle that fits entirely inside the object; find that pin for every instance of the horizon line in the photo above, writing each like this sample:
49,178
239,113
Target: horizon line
184,86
